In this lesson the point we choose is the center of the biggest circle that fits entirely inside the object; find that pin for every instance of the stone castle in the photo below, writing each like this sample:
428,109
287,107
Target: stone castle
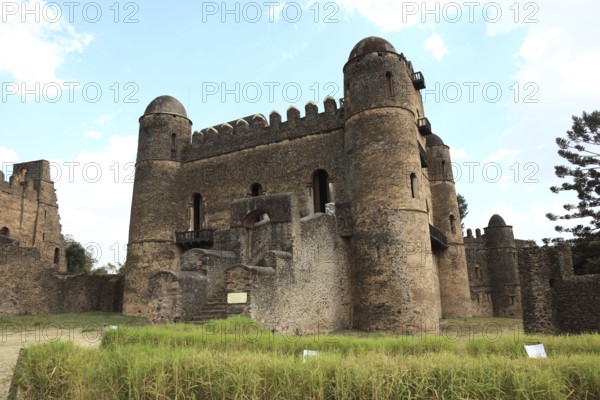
340,219
345,218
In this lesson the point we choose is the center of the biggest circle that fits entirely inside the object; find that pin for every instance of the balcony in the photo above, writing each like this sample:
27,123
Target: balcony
189,238
424,126
438,239
418,81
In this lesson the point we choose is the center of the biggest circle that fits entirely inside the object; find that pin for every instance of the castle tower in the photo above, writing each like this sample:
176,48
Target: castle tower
394,278
158,210
452,262
501,253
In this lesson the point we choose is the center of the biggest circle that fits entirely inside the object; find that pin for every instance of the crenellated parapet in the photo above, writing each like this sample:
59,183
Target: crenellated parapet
255,130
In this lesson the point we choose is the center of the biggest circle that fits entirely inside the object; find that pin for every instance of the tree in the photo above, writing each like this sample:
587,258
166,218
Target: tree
581,149
78,258
107,269
462,209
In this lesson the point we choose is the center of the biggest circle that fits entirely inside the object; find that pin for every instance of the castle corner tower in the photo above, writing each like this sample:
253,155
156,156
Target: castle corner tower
156,207
395,280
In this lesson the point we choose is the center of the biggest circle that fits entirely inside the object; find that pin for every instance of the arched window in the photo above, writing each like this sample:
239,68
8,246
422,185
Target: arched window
452,223
388,84
320,190
256,190
56,256
197,211
414,189
478,272
5,232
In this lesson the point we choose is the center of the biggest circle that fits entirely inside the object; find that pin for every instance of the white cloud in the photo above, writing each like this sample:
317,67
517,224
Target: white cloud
434,44
387,15
94,195
106,118
92,135
33,51
456,154
7,156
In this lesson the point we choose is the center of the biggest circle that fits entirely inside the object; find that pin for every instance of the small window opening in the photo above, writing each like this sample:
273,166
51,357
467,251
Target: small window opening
478,273
256,190
56,256
389,86
320,190
453,223
173,145
5,232
413,185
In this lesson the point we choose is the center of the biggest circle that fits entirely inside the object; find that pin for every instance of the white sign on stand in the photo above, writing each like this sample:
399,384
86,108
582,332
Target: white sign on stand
535,350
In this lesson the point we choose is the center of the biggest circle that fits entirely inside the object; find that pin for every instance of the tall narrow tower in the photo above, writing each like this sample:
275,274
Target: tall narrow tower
501,251
394,277
452,261
158,208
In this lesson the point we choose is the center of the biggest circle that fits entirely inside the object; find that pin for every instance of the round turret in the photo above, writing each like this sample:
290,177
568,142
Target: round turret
371,44
503,267
166,105
377,76
434,140
496,221
165,130
381,140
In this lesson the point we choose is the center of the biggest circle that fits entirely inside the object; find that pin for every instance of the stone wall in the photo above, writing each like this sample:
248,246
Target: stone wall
307,291
28,285
554,299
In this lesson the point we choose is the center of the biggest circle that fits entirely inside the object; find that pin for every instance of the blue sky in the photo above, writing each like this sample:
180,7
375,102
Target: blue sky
503,79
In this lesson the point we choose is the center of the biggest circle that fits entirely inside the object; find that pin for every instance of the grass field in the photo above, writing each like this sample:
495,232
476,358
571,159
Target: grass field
236,359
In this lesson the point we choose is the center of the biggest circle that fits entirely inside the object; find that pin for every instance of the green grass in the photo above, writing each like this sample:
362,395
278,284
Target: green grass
235,359
73,320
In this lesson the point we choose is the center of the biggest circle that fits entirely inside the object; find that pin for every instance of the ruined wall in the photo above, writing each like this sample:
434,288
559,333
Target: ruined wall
29,211
554,299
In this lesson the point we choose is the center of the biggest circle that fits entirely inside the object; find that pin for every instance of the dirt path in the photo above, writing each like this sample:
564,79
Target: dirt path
13,338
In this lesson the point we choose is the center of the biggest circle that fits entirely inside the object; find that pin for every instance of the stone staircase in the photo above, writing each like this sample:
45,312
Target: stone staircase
215,308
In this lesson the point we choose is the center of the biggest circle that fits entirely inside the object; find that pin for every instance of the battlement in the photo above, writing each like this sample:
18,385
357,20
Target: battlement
27,175
255,130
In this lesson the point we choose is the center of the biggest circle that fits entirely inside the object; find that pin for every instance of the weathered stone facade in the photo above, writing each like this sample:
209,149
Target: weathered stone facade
389,254
30,211
554,299
33,277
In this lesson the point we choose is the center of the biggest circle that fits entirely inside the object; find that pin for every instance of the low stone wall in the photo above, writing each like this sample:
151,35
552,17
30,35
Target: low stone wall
29,286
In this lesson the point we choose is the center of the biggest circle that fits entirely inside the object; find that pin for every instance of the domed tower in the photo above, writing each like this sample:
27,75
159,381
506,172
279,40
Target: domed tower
452,261
501,253
394,278
158,210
